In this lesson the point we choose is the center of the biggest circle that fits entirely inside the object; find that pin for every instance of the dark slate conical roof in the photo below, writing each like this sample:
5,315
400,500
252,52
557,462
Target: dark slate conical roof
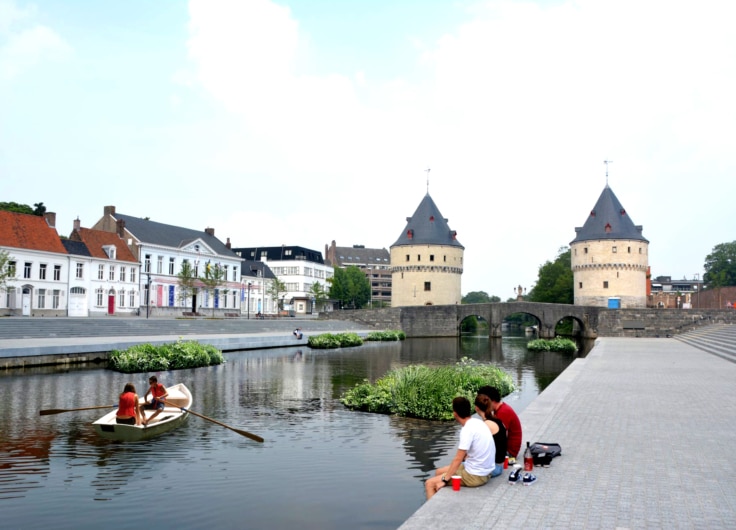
427,227
608,220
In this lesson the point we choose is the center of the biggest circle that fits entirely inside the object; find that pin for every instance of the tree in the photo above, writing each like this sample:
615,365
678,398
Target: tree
213,277
39,209
17,208
187,281
351,287
479,297
6,271
555,282
720,266
318,293
274,290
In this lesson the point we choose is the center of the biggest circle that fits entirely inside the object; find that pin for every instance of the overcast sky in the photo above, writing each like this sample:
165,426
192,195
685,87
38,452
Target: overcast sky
300,122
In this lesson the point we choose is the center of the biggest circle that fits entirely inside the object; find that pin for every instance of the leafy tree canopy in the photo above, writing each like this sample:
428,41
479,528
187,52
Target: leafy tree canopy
479,297
720,265
6,271
555,282
351,287
17,208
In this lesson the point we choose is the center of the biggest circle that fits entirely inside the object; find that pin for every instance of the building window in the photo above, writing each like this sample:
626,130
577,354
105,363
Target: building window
160,265
80,271
42,271
27,269
431,257
112,273
100,272
419,257
235,274
132,274
11,269
427,286
585,250
639,250
100,297
147,264
629,248
605,285
121,298
580,285
132,298
57,273
407,257
41,298
614,250
171,266
122,274
55,299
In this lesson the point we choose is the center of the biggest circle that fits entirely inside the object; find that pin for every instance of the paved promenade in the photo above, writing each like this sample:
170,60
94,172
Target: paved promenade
646,428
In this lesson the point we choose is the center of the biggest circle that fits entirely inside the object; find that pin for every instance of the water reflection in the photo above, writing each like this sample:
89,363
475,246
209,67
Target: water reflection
322,466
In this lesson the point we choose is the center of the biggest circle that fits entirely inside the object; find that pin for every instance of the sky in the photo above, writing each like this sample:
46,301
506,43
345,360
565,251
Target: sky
300,122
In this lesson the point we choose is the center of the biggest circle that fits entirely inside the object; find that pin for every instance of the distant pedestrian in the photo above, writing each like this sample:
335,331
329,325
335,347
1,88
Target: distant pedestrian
298,333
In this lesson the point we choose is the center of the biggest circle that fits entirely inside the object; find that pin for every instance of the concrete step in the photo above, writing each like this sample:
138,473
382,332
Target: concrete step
719,340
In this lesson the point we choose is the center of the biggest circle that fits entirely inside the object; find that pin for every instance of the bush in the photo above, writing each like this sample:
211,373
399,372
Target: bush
419,391
338,340
174,356
390,334
558,344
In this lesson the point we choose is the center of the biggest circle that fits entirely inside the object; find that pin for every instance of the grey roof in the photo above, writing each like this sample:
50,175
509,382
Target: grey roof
148,231
78,248
360,256
427,227
280,253
608,220
250,269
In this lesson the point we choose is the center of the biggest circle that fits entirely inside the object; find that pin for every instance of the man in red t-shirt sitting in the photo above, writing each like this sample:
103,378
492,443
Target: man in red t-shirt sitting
158,395
509,418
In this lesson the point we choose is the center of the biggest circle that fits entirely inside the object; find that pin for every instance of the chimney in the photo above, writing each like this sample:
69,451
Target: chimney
210,231
109,210
228,245
77,224
50,219
120,226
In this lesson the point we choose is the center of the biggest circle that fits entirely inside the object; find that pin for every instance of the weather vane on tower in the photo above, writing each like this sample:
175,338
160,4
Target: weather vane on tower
607,162
427,170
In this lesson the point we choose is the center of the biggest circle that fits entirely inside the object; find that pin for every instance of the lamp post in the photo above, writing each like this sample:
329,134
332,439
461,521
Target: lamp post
249,284
148,295
697,291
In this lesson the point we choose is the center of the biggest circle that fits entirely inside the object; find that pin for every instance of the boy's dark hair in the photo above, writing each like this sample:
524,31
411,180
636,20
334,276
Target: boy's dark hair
461,406
492,392
153,379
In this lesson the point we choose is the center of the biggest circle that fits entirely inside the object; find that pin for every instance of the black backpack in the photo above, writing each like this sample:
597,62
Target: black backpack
543,453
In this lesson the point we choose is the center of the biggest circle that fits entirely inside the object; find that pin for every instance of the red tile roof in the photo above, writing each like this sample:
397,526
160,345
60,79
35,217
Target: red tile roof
96,239
24,231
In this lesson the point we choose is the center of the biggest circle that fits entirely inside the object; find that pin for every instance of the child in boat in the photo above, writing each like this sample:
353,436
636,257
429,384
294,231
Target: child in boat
157,404
128,412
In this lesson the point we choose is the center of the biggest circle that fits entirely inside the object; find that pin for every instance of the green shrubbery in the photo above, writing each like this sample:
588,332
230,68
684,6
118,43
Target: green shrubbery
174,356
337,340
422,392
389,334
557,344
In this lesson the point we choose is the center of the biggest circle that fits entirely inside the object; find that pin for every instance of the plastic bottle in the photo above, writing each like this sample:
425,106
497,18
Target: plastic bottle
528,458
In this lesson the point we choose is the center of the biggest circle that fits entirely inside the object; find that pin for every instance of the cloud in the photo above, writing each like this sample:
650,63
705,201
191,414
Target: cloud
23,48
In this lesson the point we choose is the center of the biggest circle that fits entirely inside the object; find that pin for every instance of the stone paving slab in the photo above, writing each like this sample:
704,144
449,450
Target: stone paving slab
645,427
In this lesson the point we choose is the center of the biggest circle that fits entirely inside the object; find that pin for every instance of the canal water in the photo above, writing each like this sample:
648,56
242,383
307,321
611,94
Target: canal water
321,466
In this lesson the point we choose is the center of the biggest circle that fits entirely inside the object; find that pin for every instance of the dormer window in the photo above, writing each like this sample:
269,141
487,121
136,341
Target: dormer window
592,213
431,218
110,251
608,228
623,212
410,233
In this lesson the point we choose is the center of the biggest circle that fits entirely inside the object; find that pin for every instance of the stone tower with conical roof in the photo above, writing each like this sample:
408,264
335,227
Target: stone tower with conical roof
610,257
426,260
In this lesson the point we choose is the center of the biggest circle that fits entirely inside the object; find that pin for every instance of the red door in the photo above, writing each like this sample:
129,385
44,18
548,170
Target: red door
111,304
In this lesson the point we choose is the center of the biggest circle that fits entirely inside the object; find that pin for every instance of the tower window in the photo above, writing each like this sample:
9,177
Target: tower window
431,257
605,285
585,250
419,257
407,257
580,285
427,286
614,250
629,249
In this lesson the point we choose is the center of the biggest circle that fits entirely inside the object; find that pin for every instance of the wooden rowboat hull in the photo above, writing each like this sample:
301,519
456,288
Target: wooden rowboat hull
170,418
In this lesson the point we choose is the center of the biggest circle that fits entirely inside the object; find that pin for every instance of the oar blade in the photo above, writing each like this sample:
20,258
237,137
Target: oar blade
47,412
250,435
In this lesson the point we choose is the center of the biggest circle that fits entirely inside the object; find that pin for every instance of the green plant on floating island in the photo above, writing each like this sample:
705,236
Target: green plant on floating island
419,391
173,356
386,335
558,344
337,340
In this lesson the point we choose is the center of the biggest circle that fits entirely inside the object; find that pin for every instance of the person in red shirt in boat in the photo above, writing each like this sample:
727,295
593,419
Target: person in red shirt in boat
158,395
128,411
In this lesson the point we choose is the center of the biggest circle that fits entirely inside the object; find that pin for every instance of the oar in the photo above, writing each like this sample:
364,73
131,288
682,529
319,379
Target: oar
59,411
242,433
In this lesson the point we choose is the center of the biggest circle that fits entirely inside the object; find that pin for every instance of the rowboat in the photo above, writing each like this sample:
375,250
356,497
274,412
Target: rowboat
174,414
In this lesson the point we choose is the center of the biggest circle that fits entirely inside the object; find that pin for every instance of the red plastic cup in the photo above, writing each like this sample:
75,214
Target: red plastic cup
506,463
456,479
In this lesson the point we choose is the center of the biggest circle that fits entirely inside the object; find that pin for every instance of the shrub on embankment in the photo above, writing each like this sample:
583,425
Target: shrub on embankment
173,356
345,340
558,344
424,392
